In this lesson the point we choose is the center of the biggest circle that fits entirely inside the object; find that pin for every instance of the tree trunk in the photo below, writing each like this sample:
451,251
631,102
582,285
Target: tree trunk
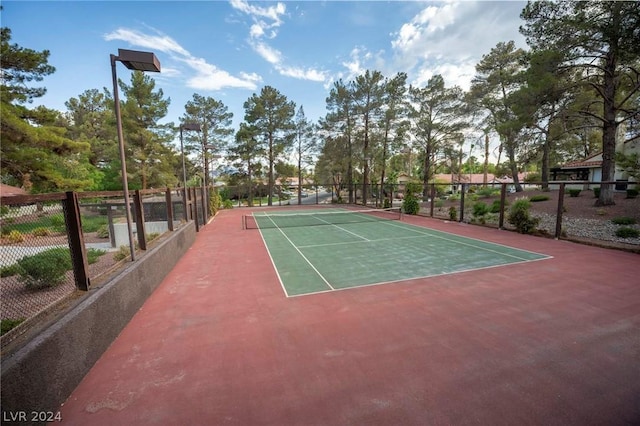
425,177
609,128
545,161
485,168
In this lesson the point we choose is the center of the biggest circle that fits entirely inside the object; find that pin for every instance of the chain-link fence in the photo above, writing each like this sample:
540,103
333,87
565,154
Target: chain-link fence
35,260
561,209
54,244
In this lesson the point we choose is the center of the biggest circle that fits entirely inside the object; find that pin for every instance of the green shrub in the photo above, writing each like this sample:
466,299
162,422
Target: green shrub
14,237
93,255
93,223
627,232
596,192
519,217
9,270
45,269
495,206
410,204
439,203
103,231
122,253
228,204
623,220
9,324
41,232
487,192
152,236
632,193
215,201
386,203
480,209
453,213
57,221
538,198
574,192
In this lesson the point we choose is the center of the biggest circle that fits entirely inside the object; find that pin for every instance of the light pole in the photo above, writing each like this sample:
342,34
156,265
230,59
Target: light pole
186,126
140,61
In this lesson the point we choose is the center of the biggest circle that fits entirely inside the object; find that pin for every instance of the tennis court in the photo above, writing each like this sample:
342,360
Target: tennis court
315,251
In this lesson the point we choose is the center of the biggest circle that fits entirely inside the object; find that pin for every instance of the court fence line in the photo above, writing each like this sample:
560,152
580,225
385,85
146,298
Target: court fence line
450,201
50,246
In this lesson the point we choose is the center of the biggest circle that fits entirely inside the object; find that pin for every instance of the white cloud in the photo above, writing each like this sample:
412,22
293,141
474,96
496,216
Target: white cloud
303,74
450,38
268,53
272,13
266,20
205,76
160,42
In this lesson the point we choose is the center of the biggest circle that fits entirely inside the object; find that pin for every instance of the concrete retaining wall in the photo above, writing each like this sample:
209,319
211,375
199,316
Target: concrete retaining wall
43,373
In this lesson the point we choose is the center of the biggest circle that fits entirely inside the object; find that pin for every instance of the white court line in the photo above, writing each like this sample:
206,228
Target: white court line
345,230
473,239
357,286
301,254
434,234
266,246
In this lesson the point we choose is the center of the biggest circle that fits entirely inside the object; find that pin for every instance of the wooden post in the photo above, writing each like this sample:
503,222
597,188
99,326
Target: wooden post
464,185
560,211
76,241
194,207
433,199
169,202
503,200
139,211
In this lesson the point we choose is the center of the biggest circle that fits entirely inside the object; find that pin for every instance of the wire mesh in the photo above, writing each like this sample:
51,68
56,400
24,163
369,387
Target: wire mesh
35,260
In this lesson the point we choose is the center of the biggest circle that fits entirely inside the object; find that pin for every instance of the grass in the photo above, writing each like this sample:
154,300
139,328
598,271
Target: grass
9,324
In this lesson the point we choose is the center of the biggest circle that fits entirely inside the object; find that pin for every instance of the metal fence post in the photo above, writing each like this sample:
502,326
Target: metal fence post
463,186
194,207
433,199
169,202
560,211
76,241
205,210
137,206
503,200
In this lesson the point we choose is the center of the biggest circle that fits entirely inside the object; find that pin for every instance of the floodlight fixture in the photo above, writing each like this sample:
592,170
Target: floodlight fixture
139,61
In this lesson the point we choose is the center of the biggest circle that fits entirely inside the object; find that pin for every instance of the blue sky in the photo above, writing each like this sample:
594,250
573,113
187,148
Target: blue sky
229,50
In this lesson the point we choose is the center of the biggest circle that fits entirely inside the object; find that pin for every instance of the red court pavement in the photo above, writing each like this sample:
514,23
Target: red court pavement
548,342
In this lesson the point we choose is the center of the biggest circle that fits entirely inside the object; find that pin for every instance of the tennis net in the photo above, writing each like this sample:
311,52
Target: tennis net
288,220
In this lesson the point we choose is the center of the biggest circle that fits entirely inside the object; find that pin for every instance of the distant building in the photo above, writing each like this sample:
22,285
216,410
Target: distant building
590,168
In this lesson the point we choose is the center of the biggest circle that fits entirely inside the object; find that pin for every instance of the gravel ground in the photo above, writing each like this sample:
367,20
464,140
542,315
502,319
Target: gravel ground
592,229
581,219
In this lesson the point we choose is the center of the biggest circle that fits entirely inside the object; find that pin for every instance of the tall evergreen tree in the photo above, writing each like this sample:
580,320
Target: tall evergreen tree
599,38
305,144
152,157
498,75
245,152
214,119
271,114
338,126
368,90
394,122
36,153
436,120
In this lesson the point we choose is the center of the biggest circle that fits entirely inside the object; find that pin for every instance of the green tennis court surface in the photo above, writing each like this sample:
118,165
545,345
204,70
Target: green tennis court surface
348,249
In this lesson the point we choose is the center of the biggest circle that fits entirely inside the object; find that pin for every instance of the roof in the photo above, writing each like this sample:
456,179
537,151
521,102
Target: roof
593,161
8,190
